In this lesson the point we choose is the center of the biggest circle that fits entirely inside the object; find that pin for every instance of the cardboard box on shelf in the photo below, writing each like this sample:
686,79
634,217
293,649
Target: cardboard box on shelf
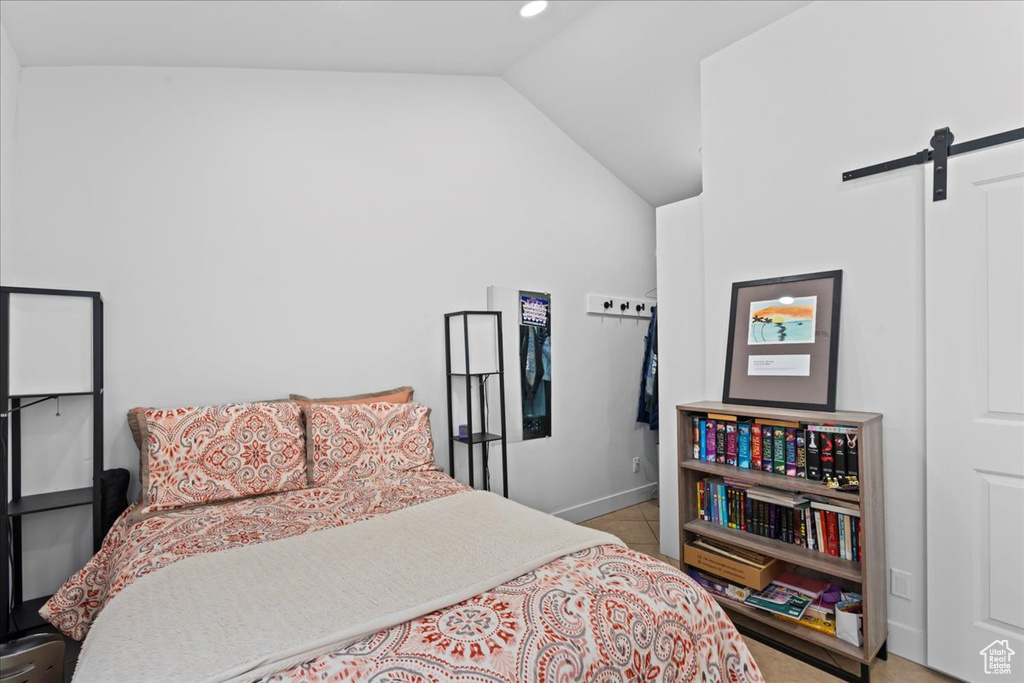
733,570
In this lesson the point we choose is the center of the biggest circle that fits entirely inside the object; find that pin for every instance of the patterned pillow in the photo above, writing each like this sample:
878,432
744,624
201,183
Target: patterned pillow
137,416
366,441
192,456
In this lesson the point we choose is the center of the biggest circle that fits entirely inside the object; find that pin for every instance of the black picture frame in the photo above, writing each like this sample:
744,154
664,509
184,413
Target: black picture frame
817,389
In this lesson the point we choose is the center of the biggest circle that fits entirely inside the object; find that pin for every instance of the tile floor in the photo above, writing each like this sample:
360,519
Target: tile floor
637,526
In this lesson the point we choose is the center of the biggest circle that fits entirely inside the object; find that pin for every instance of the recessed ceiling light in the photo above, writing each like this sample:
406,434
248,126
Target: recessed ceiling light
532,9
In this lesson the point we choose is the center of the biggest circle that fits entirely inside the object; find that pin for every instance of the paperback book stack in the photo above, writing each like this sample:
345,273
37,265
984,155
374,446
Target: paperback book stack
809,521
799,599
793,449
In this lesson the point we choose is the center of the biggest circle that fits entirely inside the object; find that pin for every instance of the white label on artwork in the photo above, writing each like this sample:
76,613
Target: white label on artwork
797,365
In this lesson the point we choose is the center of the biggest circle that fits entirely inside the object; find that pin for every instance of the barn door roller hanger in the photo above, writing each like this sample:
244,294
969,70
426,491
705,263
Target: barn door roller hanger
942,149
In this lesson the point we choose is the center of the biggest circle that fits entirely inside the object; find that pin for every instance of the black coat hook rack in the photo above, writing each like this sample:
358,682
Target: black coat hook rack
942,149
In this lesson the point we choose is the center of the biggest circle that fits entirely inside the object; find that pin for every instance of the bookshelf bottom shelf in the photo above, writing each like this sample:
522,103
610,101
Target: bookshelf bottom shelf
811,636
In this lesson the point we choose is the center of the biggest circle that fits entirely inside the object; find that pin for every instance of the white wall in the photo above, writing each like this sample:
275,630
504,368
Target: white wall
10,70
836,86
256,233
624,80
680,256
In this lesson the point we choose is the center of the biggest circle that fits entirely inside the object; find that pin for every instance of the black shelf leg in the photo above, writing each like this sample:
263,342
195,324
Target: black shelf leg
827,667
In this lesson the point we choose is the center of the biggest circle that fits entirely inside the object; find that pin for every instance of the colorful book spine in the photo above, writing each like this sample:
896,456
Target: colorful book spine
723,506
801,453
711,438
833,533
790,452
755,447
813,457
695,423
852,455
820,531
716,516
848,536
827,455
731,446
809,525
743,446
839,454
703,440
779,449
857,524
841,526
720,442
766,448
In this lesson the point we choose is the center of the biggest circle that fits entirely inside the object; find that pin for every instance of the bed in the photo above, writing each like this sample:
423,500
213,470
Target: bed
603,613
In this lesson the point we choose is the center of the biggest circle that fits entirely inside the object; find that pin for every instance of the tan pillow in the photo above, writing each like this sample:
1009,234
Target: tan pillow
397,395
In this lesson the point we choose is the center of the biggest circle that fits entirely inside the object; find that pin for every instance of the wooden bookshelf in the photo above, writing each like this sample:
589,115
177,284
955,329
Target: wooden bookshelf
868,575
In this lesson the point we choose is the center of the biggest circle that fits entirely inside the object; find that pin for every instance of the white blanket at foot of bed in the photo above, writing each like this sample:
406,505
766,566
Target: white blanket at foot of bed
242,613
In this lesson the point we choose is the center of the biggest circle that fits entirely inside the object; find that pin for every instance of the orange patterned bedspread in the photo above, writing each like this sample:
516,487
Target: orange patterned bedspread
605,614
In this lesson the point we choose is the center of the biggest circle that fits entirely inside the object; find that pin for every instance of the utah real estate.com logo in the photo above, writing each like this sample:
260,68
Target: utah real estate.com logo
997,657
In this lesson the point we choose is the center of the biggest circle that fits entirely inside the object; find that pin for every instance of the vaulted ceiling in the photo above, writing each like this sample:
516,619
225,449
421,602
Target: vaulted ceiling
619,77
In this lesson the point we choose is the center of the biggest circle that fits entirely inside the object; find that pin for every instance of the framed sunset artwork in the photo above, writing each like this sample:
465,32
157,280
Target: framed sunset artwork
783,346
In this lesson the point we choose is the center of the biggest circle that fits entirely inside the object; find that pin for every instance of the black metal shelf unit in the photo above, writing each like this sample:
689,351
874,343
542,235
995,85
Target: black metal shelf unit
18,615
475,381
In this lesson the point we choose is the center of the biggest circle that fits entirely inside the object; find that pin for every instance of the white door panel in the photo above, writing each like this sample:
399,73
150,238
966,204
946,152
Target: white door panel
974,270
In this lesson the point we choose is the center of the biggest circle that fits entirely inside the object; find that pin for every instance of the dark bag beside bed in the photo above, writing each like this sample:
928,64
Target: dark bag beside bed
113,496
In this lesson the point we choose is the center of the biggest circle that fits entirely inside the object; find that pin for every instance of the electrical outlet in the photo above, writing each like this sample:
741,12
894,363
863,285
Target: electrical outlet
636,464
901,584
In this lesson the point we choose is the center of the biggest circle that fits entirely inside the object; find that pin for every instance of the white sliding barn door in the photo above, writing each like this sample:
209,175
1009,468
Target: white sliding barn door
974,270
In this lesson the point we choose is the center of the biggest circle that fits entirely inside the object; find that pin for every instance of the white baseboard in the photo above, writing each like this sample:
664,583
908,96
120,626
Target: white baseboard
602,506
909,643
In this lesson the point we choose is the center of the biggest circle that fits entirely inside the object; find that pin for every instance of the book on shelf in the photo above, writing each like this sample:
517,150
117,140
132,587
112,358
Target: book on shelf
749,557
755,447
826,454
813,468
779,449
743,445
839,448
779,600
710,447
731,445
767,452
793,449
819,616
852,455
823,503
720,442
807,585
803,520
801,453
777,496
776,422
719,586
790,452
